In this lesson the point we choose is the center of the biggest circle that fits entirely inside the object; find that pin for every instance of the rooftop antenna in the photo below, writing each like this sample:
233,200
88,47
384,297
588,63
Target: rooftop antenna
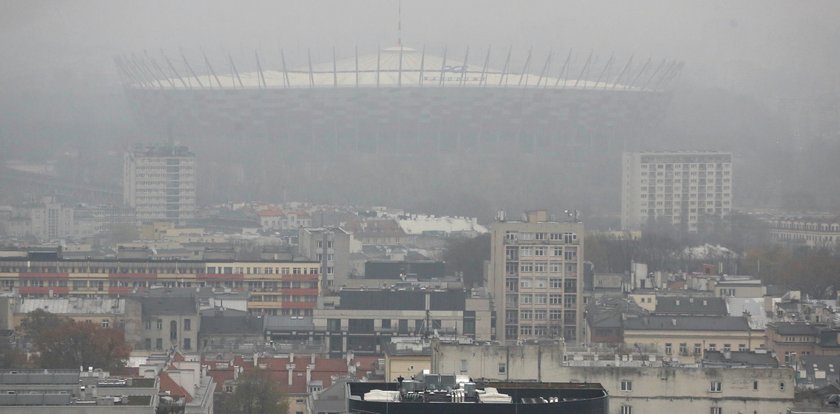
399,24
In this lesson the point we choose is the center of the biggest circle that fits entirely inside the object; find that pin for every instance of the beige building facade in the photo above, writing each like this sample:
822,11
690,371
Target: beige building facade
535,276
634,387
687,338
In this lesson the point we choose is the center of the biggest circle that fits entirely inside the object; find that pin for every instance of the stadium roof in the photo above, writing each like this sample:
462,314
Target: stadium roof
402,66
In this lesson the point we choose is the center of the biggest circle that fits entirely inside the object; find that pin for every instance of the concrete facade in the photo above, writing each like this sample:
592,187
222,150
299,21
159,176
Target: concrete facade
159,182
330,246
535,277
633,388
683,189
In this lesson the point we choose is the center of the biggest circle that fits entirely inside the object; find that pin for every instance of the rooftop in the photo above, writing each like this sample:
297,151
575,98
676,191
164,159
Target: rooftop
687,323
402,66
686,305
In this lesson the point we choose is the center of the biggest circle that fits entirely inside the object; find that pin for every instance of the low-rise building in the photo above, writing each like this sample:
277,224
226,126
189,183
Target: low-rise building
686,338
405,359
71,391
635,386
793,340
169,323
228,330
808,231
275,286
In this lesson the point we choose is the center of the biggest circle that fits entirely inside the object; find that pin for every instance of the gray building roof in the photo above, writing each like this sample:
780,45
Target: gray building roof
739,359
288,323
168,305
794,328
686,305
230,322
686,323
64,306
821,370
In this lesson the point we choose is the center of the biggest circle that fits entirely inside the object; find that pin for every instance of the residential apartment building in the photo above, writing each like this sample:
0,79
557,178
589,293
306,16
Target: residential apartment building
685,189
159,182
535,278
275,287
329,246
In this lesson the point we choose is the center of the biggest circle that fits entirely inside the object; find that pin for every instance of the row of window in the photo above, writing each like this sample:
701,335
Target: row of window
173,325
528,236
687,165
261,270
159,344
697,349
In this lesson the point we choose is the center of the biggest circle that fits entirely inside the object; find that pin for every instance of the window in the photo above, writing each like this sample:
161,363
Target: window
626,385
159,344
148,343
106,323
712,347
556,283
716,410
160,324
755,385
464,367
727,347
187,324
626,409
742,347
502,368
187,343
683,348
697,349
714,386
668,349
781,386
386,324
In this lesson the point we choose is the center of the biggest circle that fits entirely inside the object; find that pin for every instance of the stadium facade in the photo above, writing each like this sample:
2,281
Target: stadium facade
402,108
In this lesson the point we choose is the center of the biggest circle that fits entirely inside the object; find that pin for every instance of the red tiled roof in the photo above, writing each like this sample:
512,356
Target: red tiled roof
167,384
178,357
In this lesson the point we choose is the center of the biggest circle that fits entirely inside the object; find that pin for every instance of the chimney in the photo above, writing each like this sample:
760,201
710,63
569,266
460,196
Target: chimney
674,322
677,302
705,302
309,369
256,359
291,369
727,355
312,359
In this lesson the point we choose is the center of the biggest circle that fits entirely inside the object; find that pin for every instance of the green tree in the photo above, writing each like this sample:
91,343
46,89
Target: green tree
467,256
256,393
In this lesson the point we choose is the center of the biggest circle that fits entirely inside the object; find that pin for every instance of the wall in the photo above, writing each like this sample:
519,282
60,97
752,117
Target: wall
653,389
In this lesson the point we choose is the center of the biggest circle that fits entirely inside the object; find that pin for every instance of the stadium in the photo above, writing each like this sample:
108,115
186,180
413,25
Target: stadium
375,118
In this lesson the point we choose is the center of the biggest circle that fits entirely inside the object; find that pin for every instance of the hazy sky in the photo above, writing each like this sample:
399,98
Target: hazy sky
57,55
58,83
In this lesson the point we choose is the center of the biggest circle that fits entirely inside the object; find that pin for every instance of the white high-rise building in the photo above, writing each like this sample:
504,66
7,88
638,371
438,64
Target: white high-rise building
683,189
159,182
51,220
535,276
